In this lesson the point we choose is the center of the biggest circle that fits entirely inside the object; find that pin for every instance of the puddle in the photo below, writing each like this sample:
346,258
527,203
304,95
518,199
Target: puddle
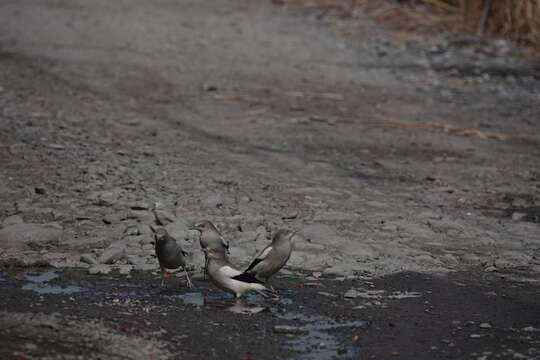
42,277
312,337
237,306
38,283
193,298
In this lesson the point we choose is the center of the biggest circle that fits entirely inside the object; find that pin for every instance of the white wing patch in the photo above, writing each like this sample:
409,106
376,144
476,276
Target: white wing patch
264,253
229,271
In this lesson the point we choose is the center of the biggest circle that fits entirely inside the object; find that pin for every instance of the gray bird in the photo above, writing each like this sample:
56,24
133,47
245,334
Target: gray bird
170,254
273,257
210,235
227,278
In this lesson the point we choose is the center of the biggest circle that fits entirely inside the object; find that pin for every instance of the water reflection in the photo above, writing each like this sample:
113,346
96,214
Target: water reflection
38,283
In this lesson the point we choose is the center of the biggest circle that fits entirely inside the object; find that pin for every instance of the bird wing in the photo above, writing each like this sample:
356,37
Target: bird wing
224,242
247,278
229,271
262,255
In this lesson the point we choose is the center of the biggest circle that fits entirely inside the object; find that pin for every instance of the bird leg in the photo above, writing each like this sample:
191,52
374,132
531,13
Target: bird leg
268,284
205,263
163,275
189,283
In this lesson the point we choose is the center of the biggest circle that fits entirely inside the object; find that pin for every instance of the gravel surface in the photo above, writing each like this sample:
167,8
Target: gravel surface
386,155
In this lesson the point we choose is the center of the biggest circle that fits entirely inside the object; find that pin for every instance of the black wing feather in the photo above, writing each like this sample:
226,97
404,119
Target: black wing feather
248,278
254,263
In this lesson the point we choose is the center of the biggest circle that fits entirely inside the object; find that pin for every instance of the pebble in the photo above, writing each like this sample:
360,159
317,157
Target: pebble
517,216
125,269
88,259
115,218
132,230
111,255
23,234
287,329
145,230
146,267
351,294
12,220
136,260
99,269
40,190
485,326
164,217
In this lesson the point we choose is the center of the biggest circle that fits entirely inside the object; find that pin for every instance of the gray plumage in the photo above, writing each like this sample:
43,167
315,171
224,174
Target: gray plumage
273,257
227,278
170,254
210,235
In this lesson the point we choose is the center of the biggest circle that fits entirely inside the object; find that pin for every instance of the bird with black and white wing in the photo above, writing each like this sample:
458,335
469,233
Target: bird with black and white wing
273,257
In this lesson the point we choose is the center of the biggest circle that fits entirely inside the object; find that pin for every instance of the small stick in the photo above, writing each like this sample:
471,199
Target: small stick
483,19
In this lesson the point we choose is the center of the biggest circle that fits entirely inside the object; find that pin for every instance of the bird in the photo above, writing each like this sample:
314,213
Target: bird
170,254
222,274
273,257
209,234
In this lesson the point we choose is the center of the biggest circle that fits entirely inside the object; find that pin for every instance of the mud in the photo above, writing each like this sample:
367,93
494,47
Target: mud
407,315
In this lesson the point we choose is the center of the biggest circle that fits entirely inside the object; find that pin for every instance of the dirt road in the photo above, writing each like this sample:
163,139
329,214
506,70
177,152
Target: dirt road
386,155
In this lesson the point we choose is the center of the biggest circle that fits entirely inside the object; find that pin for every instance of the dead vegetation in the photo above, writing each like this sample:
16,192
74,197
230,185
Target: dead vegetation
518,20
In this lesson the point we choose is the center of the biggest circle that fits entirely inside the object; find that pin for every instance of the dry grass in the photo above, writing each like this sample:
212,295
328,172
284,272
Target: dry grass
515,19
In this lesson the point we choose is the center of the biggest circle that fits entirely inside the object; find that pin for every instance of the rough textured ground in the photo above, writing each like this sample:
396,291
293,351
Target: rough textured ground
407,316
386,155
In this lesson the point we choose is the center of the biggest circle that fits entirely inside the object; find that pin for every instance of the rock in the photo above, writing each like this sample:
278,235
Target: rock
148,248
136,260
26,235
163,217
12,220
517,216
131,230
261,232
213,200
490,269
338,269
351,294
115,218
100,269
287,329
146,267
125,269
145,230
178,229
143,216
40,190
88,259
293,214
104,198
485,326
111,255
141,205
318,233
